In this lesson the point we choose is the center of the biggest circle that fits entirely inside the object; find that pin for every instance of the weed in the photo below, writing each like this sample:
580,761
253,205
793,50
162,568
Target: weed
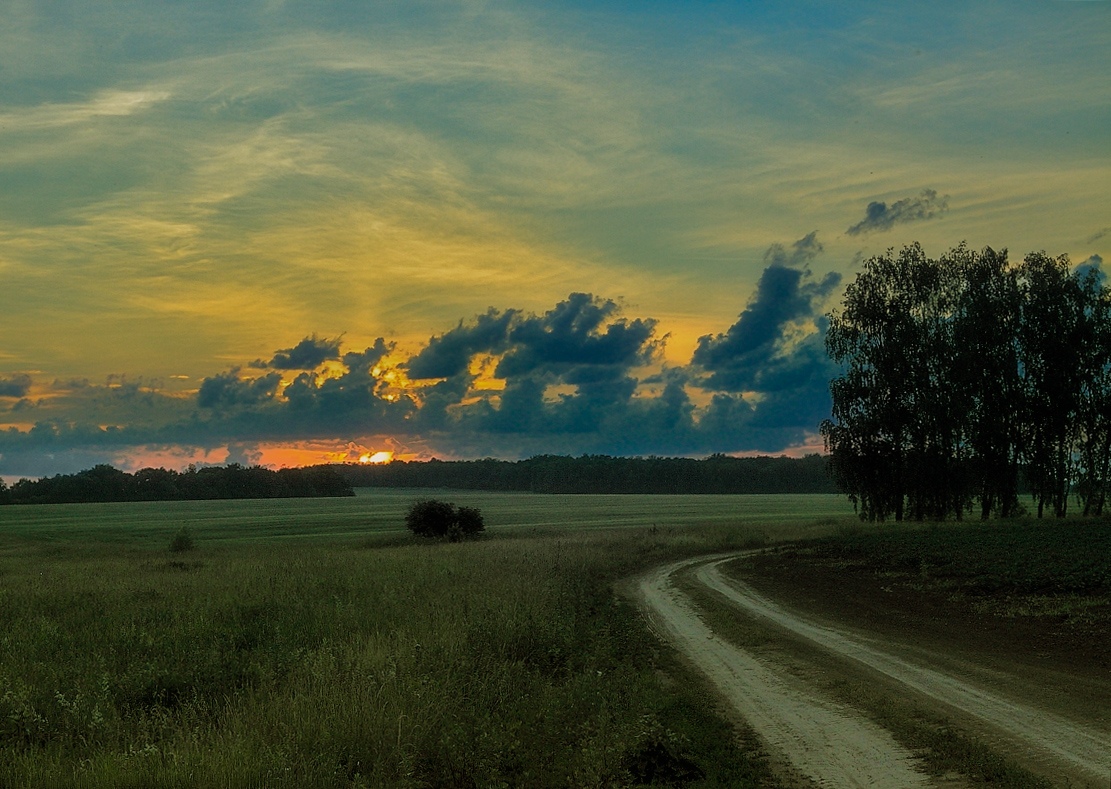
182,541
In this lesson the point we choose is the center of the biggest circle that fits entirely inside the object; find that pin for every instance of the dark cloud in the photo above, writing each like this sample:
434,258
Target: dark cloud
881,216
581,343
369,358
574,340
15,386
437,398
570,380
355,402
228,390
32,461
308,354
798,255
752,353
450,353
119,401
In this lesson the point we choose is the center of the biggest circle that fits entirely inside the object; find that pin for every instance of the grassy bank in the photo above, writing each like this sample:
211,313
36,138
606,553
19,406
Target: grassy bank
305,647
1049,577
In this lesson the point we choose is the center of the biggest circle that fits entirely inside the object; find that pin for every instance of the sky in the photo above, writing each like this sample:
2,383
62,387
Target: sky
289,232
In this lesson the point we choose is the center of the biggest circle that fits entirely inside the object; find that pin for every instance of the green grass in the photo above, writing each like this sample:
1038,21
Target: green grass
315,643
1023,568
374,511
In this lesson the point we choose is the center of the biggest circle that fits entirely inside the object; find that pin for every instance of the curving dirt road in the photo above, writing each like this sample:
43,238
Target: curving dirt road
834,745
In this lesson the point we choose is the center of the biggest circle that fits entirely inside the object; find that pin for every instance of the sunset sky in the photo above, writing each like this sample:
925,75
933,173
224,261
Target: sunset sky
292,232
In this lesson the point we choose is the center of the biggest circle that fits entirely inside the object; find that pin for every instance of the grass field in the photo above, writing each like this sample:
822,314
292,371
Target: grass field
315,643
377,511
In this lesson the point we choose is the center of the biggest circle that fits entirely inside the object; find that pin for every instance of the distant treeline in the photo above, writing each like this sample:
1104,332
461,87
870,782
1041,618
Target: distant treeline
602,474
106,483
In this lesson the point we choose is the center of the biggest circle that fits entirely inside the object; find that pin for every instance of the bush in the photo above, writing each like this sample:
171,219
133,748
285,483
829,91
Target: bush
182,541
440,519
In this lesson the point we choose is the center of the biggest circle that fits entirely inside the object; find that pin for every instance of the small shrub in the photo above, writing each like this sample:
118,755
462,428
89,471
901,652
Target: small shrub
182,541
469,520
441,519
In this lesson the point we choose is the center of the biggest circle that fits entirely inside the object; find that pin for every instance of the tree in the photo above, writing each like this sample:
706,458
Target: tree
961,373
884,435
441,519
1094,456
1052,337
984,368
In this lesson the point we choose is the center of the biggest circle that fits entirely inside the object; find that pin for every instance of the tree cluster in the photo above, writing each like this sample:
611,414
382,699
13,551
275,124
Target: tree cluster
968,378
603,474
443,520
107,483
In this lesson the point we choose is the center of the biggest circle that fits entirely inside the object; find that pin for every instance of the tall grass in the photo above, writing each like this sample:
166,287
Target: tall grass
332,662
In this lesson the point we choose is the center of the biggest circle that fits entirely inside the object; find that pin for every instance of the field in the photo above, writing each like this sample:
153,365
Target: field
316,643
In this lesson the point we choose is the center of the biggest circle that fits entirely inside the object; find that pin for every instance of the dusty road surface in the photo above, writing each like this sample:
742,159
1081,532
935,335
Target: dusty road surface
830,743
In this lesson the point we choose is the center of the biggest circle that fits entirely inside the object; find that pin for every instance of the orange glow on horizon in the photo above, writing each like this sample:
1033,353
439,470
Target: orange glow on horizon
269,455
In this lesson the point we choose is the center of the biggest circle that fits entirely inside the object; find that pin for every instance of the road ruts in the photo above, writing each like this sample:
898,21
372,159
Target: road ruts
1065,747
830,743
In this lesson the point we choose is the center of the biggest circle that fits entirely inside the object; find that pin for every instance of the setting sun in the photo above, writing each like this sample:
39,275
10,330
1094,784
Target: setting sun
377,457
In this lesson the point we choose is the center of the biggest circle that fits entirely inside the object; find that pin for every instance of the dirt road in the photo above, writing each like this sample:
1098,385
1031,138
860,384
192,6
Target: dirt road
834,745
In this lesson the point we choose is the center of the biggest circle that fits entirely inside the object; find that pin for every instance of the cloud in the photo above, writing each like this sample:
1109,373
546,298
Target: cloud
107,103
228,390
577,378
582,345
753,353
880,216
308,354
449,354
15,386
369,357
1094,265
243,454
569,341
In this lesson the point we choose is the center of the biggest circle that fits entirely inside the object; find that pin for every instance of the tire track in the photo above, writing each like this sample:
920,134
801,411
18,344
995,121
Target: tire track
1064,746
829,743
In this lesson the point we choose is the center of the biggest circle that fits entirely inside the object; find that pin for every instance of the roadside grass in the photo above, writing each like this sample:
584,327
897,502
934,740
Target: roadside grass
1054,571
315,644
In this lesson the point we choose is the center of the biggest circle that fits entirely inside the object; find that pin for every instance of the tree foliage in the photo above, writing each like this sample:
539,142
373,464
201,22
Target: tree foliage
964,375
441,519
106,483
603,474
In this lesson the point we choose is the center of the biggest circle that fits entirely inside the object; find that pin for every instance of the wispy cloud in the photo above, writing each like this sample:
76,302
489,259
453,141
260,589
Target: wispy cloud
881,216
105,104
